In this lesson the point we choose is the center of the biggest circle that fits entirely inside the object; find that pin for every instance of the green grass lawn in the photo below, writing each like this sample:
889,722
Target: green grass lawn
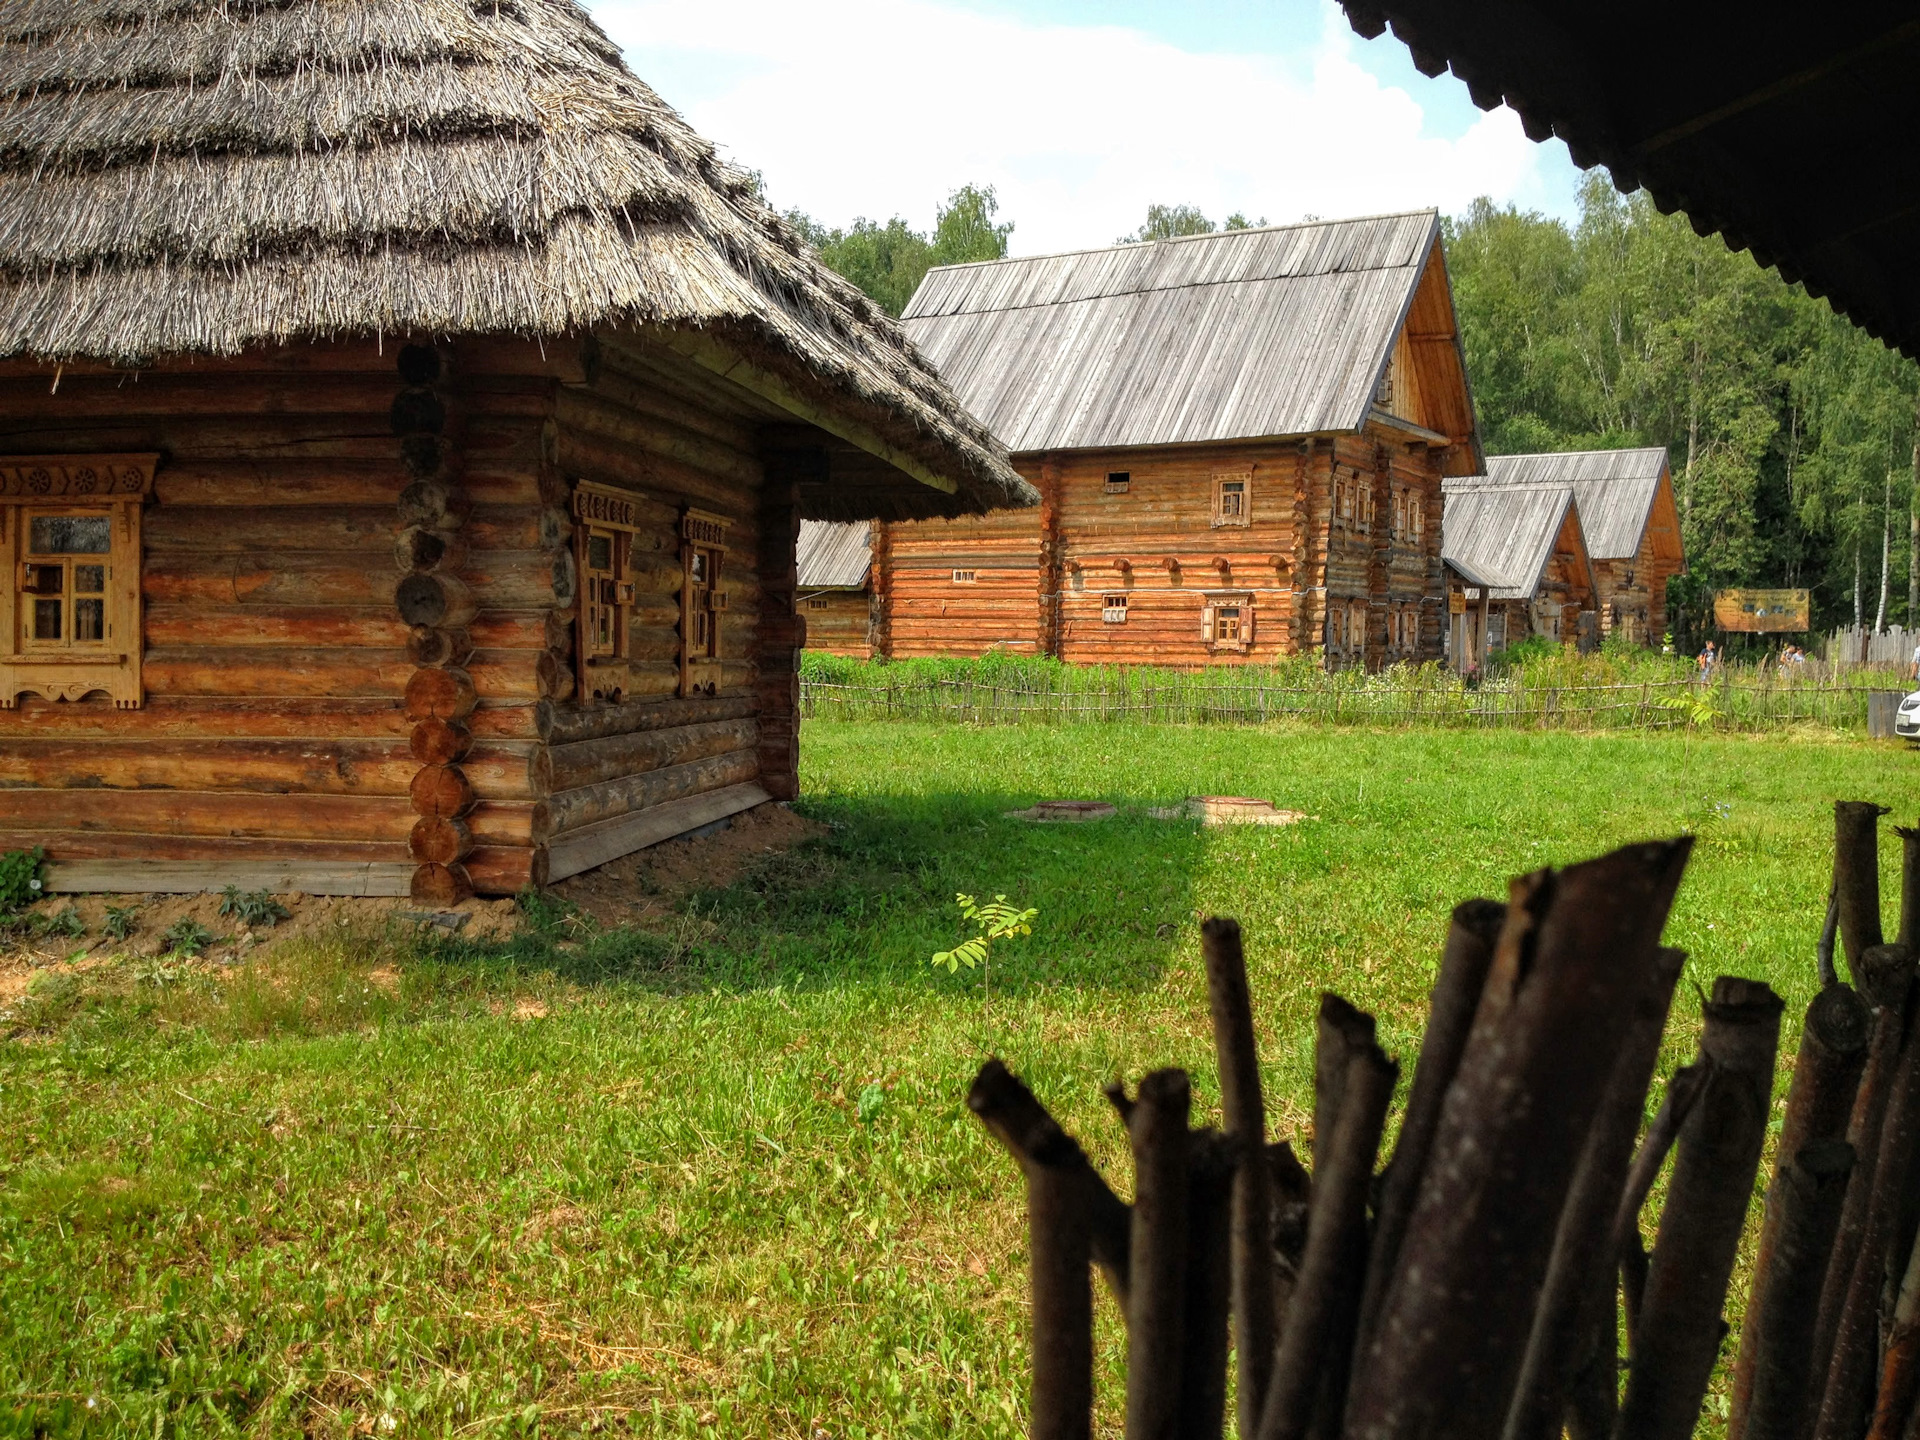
725,1183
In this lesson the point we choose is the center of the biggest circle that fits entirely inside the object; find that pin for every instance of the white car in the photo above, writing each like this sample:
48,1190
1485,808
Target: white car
1906,720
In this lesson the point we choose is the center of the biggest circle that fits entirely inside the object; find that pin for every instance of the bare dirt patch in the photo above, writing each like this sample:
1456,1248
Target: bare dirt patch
153,918
644,886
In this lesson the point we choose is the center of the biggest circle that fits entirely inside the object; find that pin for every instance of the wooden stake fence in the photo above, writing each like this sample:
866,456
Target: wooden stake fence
1479,1285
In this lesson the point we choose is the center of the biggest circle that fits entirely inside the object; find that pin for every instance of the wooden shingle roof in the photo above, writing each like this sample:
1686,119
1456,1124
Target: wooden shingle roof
835,555
1614,489
1238,335
1789,129
1503,534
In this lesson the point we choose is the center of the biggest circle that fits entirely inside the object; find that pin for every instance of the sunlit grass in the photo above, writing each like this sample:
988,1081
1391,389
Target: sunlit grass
622,1180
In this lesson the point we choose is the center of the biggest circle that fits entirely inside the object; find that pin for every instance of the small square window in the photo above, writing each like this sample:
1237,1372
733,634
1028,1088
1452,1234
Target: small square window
816,604
1231,494
1118,481
963,577
1226,624
1113,609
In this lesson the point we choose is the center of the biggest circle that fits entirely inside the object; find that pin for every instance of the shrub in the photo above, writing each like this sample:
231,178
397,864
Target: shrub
120,921
186,937
67,925
251,908
20,882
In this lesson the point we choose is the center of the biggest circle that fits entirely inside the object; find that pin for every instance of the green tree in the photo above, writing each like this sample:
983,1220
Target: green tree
1165,222
889,261
1790,432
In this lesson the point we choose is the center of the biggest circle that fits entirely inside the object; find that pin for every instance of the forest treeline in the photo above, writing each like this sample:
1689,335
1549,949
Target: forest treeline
1793,437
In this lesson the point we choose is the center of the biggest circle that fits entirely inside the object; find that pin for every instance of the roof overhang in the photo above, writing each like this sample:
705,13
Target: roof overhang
1799,141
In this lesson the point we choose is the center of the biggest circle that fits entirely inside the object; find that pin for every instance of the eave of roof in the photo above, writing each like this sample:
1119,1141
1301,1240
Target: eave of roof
1797,143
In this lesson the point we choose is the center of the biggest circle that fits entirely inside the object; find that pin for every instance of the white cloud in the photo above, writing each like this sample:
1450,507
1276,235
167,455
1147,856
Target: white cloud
881,107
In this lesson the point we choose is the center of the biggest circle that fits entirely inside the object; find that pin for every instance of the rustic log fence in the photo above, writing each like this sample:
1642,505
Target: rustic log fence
1491,1280
1755,700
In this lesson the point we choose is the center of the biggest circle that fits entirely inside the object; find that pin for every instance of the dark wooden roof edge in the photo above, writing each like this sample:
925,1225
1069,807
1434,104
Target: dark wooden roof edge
1512,54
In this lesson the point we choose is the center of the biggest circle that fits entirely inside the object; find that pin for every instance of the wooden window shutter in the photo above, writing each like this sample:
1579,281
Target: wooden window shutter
1206,623
1246,624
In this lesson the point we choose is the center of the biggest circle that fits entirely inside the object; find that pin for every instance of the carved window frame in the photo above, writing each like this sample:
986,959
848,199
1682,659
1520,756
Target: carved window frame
113,487
605,521
1227,621
703,599
1233,499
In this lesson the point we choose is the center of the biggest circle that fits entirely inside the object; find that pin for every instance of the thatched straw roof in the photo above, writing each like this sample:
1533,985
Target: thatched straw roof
200,176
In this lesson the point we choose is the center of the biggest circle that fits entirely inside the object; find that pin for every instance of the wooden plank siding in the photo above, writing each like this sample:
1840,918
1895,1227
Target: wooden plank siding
929,613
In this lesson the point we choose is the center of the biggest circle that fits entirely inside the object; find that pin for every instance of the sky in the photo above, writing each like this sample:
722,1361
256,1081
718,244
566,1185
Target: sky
1079,114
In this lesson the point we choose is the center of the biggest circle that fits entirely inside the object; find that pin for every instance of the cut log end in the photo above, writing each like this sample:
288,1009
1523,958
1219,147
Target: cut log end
439,886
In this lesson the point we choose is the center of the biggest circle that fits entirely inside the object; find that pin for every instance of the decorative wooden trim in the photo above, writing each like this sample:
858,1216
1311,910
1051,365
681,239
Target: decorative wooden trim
73,477
701,531
114,486
596,844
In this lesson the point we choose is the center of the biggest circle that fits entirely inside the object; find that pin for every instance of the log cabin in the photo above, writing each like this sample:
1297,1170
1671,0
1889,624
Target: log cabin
836,595
1630,522
1517,565
406,422
1238,440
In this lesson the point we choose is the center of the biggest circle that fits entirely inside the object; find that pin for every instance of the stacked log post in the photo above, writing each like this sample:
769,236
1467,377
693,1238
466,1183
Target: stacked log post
1299,616
1379,555
781,632
436,604
555,677
880,600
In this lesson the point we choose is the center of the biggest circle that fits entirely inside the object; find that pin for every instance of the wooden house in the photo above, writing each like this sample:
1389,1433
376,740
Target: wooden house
1517,564
406,423
1238,440
835,568
1631,525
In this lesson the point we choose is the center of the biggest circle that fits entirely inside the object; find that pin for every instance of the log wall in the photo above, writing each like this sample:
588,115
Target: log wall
275,730
839,622
929,613
1042,577
359,596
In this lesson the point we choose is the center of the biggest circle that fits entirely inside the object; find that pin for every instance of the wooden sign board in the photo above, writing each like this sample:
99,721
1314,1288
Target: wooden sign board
1762,610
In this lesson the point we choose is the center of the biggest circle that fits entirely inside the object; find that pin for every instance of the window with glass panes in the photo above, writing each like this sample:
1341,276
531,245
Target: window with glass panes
70,612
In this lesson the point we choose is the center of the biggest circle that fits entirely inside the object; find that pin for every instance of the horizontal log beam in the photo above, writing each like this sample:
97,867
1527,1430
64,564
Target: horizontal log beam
291,876
591,762
596,458
561,724
316,766
591,804
360,627
592,415
259,531
595,845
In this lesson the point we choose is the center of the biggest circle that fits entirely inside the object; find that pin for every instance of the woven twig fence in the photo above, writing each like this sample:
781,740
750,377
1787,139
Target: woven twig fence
1491,1279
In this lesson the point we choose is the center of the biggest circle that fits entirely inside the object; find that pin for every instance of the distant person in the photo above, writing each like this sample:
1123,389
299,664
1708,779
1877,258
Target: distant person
1913,665
1708,659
